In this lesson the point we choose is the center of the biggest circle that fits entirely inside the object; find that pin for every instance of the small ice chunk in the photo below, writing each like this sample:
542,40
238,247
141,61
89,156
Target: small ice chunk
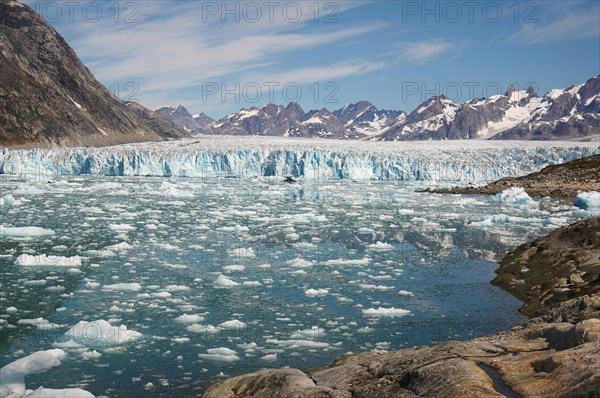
385,312
380,246
177,288
585,200
233,324
203,329
185,318
9,200
224,281
91,354
237,267
300,263
269,357
101,332
134,287
23,232
221,354
44,260
515,196
316,292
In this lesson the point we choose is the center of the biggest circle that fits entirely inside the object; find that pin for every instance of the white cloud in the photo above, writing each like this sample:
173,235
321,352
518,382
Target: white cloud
173,47
572,26
424,51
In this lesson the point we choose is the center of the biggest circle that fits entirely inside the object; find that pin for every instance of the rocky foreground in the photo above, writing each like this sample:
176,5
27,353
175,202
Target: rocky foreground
556,354
558,181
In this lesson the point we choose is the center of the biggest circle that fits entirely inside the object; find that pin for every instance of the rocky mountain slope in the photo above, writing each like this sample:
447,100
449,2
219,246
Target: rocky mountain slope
554,268
48,97
560,180
555,354
572,113
181,117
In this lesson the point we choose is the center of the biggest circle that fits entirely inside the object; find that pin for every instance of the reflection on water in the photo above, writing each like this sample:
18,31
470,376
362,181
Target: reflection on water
280,274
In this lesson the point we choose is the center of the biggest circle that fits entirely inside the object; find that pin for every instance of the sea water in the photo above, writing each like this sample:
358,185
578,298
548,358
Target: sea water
162,286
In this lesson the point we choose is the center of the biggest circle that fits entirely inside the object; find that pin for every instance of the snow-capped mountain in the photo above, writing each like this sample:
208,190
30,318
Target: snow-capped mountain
353,121
364,119
572,112
517,114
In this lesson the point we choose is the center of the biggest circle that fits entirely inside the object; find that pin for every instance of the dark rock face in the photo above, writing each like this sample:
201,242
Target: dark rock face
555,268
163,126
181,117
48,97
203,120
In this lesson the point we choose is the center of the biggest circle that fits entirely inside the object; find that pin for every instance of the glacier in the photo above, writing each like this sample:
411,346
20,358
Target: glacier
316,159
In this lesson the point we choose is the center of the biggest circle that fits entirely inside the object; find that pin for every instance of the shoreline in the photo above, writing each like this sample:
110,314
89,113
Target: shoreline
558,181
553,354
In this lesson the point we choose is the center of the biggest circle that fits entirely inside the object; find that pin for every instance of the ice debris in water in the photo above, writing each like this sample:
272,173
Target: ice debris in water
585,200
101,332
12,376
221,354
24,232
385,312
515,196
44,260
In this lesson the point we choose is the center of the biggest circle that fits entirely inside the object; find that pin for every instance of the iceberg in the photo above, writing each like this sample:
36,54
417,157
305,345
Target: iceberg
252,157
12,376
515,196
586,200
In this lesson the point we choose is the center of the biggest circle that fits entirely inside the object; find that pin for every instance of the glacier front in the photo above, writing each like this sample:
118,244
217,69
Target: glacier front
316,159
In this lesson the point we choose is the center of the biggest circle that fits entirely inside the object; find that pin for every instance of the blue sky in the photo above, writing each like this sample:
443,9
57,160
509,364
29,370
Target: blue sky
395,54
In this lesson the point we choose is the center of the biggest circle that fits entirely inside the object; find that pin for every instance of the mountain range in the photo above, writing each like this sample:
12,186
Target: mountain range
49,98
569,113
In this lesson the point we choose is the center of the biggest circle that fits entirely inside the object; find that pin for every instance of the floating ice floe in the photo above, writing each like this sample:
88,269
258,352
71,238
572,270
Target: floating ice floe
488,221
236,267
221,354
202,329
300,263
295,344
385,312
44,260
24,232
133,287
100,332
12,376
224,281
341,261
9,201
242,252
380,246
585,200
193,318
232,325
515,196
316,292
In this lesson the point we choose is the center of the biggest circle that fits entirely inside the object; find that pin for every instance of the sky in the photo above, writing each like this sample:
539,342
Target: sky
218,57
